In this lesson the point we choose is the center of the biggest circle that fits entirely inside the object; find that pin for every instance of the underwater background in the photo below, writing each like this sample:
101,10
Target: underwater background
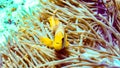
59,33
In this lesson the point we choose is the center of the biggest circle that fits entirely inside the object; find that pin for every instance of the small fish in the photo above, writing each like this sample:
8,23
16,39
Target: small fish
57,43
60,40
46,41
53,22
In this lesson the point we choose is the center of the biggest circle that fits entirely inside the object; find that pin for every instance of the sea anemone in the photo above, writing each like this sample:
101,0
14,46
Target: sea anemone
65,34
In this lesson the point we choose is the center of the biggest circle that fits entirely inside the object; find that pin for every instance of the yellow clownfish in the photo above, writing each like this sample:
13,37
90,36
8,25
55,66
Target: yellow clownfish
46,41
60,38
53,22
